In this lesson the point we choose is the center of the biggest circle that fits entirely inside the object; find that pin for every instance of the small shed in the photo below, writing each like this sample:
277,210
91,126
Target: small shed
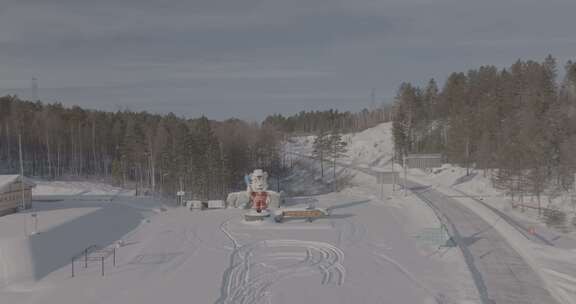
11,195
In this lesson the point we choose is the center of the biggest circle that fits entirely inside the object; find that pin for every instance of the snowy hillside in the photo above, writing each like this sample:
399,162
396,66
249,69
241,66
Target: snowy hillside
372,146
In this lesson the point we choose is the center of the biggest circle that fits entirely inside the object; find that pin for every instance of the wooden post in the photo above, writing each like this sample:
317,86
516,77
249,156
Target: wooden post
102,259
86,258
114,257
72,267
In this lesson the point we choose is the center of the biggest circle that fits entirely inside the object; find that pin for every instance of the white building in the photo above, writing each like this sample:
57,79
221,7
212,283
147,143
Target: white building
11,193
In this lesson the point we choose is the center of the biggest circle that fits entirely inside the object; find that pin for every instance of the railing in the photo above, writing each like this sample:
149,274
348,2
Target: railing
94,253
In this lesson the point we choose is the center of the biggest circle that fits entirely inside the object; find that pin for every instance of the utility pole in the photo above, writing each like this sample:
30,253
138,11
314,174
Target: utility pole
334,167
405,176
393,173
21,171
373,100
153,175
181,192
34,89
151,169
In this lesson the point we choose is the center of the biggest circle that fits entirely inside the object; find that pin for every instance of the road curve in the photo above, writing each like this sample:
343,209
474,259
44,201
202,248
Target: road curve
501,275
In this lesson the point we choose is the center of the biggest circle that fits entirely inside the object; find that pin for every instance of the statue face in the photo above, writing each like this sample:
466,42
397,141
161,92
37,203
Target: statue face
259,180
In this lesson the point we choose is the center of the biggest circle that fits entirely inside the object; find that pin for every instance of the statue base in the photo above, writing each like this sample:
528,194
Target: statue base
252,215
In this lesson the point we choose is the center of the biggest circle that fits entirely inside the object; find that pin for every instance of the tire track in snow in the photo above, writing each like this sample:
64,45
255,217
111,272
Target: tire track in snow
439,298
224,229
254,268
349,233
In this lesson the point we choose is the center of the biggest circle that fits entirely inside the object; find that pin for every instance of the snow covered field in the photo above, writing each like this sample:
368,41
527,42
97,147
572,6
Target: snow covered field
364,254
368,251
372,146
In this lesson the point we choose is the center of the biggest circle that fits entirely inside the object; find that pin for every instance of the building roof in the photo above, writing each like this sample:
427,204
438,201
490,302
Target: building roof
6,180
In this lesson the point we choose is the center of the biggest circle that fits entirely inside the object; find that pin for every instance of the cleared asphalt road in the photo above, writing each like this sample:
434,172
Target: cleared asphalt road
500,273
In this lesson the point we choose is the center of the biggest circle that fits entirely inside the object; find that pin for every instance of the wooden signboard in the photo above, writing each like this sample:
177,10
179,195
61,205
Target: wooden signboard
309,214
303,213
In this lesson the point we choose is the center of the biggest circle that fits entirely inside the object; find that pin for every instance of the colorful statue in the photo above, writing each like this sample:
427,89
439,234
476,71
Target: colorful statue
256,196
258,190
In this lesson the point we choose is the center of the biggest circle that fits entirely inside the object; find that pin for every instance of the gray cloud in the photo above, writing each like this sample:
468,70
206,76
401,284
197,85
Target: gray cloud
246,58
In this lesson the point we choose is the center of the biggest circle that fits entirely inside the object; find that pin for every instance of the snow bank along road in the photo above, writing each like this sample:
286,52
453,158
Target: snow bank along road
501,275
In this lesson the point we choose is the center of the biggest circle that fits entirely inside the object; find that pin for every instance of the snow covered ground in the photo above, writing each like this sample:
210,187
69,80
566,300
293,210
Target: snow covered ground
45,188
553,264
367,251
373,146
372,249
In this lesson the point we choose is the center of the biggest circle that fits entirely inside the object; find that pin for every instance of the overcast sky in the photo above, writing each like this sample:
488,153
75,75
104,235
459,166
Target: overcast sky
250,58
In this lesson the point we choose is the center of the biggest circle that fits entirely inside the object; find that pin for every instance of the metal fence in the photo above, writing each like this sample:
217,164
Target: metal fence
94,253
424,161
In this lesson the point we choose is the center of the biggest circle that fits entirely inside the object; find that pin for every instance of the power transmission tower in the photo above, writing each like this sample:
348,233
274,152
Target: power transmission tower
373,100
34,89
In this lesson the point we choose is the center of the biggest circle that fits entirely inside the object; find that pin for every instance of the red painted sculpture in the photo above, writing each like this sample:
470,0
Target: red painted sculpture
259,200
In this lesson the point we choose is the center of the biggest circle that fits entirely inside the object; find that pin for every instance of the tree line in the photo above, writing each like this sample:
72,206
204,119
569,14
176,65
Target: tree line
316,122
518,122
159,153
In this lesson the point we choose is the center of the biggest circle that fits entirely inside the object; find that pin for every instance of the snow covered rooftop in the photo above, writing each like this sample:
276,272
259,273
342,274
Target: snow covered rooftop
6,180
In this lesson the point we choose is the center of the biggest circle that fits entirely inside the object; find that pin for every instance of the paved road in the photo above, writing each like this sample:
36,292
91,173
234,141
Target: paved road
500,273
522,229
